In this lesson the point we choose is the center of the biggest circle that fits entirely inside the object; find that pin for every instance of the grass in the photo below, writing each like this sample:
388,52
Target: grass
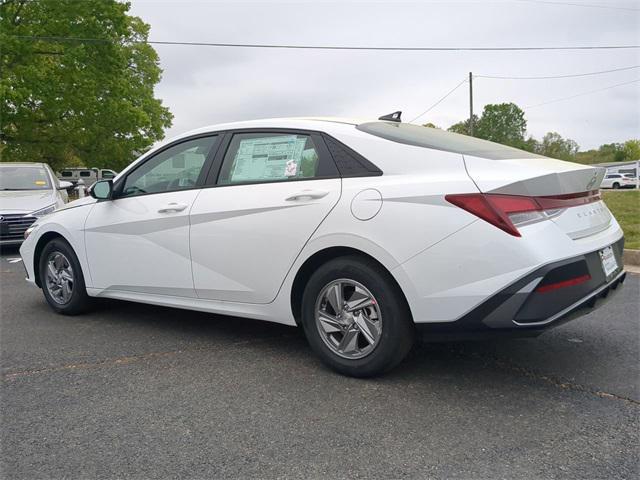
625,206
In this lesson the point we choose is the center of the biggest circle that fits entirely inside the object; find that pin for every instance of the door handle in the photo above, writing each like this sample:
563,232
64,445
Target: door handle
173,207
307,195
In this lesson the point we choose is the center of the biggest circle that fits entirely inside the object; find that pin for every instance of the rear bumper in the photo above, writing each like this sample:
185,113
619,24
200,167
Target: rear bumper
523,309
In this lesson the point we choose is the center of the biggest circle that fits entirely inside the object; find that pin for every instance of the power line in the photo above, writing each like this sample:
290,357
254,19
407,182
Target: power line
439,101
326,47
558,76
582,94
608,7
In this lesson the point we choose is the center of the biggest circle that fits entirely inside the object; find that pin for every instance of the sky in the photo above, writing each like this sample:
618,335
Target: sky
209,85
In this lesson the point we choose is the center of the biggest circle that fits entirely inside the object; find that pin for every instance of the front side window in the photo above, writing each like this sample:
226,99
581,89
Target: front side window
67,174
85,173
14,177
269,157
176,168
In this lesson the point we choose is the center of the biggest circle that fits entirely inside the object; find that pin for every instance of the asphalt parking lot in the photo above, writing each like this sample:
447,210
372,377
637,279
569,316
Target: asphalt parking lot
134,391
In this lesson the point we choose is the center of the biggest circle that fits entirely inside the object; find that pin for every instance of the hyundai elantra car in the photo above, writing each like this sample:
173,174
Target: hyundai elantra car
367,234
27,191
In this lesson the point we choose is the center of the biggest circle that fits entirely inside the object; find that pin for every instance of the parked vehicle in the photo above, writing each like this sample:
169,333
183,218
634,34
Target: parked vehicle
617,180
28,191
366,234
87,175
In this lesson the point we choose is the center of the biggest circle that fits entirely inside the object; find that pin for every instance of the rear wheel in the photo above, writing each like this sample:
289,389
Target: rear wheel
61,279
356,318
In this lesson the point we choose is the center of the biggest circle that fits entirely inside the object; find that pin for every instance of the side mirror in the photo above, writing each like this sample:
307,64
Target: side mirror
64,185
101,190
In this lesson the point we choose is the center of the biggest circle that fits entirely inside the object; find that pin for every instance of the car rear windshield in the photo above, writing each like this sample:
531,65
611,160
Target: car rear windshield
436,139
23,178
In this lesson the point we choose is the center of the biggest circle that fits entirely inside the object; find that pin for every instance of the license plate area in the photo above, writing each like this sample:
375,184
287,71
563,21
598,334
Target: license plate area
608,260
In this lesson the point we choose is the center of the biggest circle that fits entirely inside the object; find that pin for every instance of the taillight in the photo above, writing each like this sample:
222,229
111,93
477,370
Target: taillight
508,211
564,283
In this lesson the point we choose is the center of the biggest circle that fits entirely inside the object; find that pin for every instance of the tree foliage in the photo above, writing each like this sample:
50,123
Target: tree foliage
463,127
611,152
505,123
77,102
554,146
632,150
502,123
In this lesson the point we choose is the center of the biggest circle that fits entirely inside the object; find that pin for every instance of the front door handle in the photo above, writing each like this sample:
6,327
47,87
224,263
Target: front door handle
307,195
173,207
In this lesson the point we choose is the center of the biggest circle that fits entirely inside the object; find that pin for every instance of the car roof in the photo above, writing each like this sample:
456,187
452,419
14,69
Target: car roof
304,123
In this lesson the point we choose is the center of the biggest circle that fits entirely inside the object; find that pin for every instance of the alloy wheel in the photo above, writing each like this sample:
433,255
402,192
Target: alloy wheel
348,318
60,279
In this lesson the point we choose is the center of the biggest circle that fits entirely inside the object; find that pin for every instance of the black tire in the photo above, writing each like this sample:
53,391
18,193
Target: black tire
397,332
79,301
616,186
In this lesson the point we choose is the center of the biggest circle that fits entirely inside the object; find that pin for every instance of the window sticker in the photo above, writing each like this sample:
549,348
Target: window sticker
268,158
291,168
40,182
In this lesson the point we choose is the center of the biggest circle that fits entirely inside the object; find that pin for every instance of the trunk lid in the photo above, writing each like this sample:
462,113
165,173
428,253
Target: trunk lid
538,176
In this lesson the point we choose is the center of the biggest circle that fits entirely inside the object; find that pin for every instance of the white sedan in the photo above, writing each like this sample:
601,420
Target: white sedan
27,191
366,234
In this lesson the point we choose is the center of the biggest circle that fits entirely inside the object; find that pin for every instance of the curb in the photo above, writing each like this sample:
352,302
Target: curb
631,257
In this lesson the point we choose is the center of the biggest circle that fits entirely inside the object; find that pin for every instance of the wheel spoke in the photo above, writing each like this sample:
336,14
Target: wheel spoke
368,328
66,291
335,298
66,274
359,304
51,270
349,341
330,324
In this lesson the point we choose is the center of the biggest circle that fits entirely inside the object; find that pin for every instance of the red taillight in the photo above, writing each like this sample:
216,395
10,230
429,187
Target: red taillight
565,283
496,208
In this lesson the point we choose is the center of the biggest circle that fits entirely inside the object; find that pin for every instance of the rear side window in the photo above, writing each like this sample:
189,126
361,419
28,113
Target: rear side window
85,173
67,174
272,157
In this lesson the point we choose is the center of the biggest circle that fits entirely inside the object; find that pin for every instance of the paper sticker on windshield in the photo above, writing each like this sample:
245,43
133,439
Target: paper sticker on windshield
40,182
291,169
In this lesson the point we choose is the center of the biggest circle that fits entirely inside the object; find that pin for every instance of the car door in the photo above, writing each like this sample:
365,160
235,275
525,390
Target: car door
139,240
267,193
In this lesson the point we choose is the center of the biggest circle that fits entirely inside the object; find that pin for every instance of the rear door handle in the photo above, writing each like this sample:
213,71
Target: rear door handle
173,207
307,195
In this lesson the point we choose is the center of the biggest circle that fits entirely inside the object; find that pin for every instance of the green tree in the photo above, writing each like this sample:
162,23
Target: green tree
463,127
77,102
554,146
631,149
502,123
613,152
431,125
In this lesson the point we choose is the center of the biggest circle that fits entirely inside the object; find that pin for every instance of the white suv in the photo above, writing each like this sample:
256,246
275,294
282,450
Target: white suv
618,180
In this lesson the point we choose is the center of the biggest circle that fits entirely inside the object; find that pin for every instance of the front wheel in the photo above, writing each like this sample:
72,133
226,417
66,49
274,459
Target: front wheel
616,186
356,318
62,280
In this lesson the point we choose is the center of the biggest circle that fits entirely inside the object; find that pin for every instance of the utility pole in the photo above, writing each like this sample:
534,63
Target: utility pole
471,104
